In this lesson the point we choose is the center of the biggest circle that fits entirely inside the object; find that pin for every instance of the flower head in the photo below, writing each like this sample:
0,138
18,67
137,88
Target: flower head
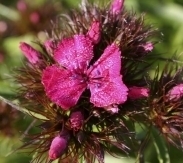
65,83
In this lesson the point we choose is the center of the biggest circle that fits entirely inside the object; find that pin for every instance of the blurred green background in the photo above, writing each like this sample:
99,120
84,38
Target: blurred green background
26,20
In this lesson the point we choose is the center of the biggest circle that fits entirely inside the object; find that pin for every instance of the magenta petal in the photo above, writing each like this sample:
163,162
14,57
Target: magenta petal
106,84
110,61
72,52
61,87
108,93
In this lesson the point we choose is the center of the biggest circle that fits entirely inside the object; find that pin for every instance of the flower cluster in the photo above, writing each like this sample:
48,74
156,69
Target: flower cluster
90,80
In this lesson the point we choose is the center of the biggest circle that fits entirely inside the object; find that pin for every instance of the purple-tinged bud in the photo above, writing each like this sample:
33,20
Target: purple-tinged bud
95,32
57,148
76,120
148,47
116,7
112,109
138,92
175,93
30,53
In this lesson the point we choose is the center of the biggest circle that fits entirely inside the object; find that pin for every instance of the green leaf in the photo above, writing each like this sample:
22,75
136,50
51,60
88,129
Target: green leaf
160,146
15,105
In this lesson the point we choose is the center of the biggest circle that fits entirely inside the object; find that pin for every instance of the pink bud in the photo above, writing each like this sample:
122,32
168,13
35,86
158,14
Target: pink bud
21,6
57,148
138,92
94,32
30,53
176,92
148,46
34,17
116,6
76,120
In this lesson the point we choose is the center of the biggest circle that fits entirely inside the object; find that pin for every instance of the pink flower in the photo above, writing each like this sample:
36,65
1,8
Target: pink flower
30,53
116,6
58,146
176,92
64,83
76,120
138,92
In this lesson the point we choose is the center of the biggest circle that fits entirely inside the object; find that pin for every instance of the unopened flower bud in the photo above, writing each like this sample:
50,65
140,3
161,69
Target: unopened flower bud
94,32
116,7
138,92
176,92
76,120
30,53
57,148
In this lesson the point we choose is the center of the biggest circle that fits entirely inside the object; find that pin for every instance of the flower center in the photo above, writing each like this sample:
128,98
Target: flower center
77,74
